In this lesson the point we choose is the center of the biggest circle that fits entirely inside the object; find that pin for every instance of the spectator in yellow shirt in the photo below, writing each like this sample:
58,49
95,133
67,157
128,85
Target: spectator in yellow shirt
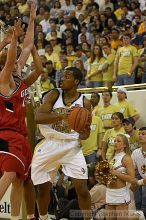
124,106
108,66
107,110
126,62
91,147
94,71
129,126
110,135
95,98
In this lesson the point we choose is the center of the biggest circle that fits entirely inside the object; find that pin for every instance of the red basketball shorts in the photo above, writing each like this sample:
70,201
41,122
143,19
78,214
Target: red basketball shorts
15,153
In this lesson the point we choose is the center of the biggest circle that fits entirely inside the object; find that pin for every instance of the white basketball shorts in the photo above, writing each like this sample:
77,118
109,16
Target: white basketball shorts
50,154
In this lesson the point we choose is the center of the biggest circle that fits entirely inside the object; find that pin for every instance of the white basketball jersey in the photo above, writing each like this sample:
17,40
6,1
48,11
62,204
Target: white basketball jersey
61,130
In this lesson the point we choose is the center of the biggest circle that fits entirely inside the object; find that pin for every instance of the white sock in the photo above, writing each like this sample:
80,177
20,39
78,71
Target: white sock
43,217
30,216
15,217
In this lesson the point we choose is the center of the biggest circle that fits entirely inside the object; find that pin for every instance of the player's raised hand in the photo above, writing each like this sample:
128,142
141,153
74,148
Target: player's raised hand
17,30
33,11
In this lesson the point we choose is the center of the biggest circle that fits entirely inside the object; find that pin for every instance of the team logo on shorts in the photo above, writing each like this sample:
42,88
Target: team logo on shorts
83,170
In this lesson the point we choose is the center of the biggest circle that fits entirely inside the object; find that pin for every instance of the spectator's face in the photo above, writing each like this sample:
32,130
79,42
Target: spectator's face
49,67
94,99
106,97
110,22
126,40
142,137
116,121
78,53
78,64
137,19
128,127
106,49
53,26
40,35
39,45
102,17
44,76
47,15
137,12
57,4
79,6
42,11
81,17
67,2
115,34
83,38
121,95
49,50
64,63
107,12
83,30
96,50
43,59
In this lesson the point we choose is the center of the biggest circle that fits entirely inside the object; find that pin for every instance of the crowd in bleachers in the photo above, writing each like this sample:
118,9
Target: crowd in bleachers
105,39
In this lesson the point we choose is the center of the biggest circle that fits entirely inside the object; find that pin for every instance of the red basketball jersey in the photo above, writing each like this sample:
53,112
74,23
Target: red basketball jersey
12,109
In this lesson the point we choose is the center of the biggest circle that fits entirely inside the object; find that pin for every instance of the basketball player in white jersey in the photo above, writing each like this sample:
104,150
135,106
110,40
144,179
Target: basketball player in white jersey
61,145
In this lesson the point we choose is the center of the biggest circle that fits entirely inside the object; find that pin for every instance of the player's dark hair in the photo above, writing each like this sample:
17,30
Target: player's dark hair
142,129
76,73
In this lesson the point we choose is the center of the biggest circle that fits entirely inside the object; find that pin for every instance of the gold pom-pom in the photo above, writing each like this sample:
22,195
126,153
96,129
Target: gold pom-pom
103,174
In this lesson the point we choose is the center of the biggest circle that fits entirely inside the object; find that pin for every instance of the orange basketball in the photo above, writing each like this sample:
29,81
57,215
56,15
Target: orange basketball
78,118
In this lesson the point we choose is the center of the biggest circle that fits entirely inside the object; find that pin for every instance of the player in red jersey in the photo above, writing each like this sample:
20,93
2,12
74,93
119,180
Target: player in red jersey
17,122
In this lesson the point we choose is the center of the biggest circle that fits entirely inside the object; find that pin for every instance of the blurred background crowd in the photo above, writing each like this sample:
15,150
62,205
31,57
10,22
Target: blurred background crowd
104,38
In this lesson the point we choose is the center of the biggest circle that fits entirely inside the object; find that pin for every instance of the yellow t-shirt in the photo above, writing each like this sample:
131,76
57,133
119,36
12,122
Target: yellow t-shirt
53,57
96,110
118,13
142,28
106,114
126,109
22,8
109,138
134,140
108,75
94,67
91,144
115,44
125,56
46,85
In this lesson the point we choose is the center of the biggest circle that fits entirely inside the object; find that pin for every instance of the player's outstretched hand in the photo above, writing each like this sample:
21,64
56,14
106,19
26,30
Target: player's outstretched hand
33,11
17,28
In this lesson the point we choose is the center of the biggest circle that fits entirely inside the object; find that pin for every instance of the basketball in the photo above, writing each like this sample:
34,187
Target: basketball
78,118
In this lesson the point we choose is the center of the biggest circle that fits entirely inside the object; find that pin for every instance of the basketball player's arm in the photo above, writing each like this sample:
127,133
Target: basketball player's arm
33,76
83,135
28,41
6,73
130,175
44,114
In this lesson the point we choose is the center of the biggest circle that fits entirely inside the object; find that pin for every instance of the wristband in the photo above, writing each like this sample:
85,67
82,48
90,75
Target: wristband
140,182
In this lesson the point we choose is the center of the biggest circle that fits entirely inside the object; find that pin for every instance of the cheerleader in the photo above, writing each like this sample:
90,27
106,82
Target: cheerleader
117,193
